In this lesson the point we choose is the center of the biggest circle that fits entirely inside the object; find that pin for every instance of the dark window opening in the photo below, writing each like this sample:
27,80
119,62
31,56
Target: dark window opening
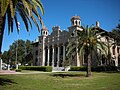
113,50
103,59
72,34
76,22
117,50
79,22
36,52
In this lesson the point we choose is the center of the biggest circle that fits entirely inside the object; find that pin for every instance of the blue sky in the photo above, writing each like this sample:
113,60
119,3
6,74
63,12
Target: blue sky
59,13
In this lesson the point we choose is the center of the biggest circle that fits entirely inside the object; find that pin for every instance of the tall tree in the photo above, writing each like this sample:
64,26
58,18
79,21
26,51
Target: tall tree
5,57
26,9
28,52
24,52
19,47
115,34
88,41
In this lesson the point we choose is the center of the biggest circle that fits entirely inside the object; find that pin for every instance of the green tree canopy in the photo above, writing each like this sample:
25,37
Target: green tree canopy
115,34
28,10
24,52
86,42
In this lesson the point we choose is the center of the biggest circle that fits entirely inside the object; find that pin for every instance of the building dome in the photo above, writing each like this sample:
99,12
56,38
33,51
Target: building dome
44,29
75,18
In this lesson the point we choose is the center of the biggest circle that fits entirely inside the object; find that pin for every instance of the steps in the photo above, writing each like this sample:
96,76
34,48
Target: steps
58,69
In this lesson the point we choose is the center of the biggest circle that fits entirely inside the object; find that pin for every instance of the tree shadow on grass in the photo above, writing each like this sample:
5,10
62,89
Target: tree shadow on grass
63,75
5,81
112,72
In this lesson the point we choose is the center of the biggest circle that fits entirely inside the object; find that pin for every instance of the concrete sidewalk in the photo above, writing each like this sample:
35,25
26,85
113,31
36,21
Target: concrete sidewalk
3,72
7,72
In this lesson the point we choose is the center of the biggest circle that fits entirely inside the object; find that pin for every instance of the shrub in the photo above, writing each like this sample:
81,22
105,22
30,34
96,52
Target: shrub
94,68
18,70
37,68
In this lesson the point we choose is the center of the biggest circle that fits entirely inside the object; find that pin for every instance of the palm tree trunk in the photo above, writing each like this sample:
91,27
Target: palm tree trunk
2,24
89,56
89,66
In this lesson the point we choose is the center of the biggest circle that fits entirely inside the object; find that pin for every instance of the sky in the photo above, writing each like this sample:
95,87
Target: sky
59,13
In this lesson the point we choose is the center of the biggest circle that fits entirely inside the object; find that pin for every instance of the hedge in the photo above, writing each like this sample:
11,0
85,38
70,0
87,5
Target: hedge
75,68
94,68
37,68
18,70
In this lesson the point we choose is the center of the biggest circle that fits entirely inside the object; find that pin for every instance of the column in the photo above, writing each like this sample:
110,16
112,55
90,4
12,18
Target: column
48,56
63,53
58,56
0,64
116,60
78,61
43,63
43,52
53,56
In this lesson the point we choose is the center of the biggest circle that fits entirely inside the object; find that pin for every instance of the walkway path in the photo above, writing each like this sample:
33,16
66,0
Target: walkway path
3,72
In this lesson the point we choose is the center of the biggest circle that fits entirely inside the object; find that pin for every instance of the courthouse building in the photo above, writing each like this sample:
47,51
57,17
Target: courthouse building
50,49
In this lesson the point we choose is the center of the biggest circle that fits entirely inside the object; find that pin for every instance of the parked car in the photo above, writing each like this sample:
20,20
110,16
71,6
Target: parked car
4,66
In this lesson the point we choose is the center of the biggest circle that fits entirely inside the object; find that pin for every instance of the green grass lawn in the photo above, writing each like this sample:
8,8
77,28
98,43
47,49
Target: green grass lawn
46,81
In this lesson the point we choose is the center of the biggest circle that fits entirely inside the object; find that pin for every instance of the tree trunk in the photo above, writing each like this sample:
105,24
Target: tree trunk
89,65
88,58
2,24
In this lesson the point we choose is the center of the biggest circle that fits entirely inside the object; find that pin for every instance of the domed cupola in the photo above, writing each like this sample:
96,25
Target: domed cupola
76,21
44,31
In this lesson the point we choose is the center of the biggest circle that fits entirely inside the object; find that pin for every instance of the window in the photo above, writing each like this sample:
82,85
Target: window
40,41
72,22
43,32
36,52
40,50
72,34
36,45
117,50
36,61
113,50
103,59
76,22
79,22
46,33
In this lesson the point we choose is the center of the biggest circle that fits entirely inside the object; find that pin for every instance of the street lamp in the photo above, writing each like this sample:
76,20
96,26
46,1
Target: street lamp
17,45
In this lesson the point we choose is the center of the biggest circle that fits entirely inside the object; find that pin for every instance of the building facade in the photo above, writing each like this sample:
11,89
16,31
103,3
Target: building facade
50,49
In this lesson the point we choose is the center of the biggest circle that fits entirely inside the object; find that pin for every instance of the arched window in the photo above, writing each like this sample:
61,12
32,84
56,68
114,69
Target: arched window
36,61
103,59
76,22
119,60
72,34
117,49
79,23
113,50
46,33
36,52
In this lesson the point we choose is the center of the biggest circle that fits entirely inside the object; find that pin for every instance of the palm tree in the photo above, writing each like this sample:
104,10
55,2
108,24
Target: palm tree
88,41
26,9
